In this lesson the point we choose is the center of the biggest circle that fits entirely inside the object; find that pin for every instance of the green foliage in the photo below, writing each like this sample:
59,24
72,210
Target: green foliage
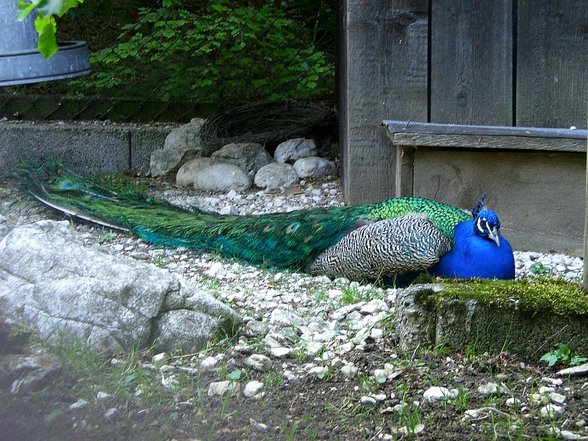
539,269
562,355
45,20
223,53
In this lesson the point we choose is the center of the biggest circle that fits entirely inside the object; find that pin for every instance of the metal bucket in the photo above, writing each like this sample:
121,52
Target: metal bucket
21,62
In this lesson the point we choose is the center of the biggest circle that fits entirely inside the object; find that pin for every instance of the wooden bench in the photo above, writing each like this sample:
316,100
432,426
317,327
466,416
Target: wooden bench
534,177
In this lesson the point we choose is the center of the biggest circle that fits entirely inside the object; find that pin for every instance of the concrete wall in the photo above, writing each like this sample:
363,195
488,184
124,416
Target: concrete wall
84,148
540,197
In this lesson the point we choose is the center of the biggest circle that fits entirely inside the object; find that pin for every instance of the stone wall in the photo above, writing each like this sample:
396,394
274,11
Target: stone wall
82,147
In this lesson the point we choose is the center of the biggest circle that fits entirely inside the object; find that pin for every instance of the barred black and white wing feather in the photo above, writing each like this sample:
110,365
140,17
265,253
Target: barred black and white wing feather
384,249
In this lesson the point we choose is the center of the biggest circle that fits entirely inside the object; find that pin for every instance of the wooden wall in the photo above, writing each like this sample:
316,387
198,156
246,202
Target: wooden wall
501,62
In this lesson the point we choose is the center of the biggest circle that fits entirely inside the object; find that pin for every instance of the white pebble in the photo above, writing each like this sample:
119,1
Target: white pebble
252,388
435,393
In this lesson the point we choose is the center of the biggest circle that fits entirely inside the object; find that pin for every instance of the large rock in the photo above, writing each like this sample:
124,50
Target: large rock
221,177
293,149
187,172
181,145
314,167
249,156
56,285
276,176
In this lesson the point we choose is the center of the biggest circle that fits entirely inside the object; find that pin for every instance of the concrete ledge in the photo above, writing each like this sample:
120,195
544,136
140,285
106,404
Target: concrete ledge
427,320
82,147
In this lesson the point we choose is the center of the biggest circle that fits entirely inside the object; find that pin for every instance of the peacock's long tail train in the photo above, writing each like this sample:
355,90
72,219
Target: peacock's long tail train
281,240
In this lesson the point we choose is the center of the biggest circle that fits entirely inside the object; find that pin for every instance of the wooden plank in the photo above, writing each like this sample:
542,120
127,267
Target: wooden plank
383,74
552,56
404,171
489,142
460,129
536,195
471,61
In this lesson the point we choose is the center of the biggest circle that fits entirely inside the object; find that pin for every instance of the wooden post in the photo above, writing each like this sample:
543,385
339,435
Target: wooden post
585,280
383,75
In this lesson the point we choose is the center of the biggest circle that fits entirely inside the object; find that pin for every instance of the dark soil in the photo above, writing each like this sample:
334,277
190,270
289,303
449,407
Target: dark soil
303,409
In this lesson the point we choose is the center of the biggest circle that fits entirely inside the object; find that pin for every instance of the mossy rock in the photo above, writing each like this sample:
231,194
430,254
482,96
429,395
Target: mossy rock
527,317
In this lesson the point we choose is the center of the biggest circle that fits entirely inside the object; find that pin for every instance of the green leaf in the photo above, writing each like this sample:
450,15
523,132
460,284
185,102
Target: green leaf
575,360
25,8
551,358
46,28
234,375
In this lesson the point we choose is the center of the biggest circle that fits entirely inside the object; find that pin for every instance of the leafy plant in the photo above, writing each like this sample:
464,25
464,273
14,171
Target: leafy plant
539,269
563,355
224,53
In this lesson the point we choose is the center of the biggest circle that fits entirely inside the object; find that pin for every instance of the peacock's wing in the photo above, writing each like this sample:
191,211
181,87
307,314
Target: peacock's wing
385,248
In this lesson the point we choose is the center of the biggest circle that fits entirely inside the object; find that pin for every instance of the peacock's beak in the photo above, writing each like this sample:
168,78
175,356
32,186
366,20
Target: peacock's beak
494,236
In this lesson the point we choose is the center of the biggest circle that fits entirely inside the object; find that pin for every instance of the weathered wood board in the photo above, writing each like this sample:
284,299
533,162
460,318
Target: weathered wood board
540,197
383,74
552,63
471,62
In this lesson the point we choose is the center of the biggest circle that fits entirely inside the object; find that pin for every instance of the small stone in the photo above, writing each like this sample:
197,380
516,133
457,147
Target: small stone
80,404
257,328
553,381
280,352
557,398
314,348
489,389
536,398
259,362
346,348
221,388
319,371
404,431
543,390
379,397
159,358
572,436
103,397
252,388
551,411
112,414
368,400
435,393
284,317
574,370
257,426
349,371
512,401
377,333
208,363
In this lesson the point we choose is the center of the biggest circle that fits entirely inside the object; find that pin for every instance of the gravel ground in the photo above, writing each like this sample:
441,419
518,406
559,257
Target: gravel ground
316,358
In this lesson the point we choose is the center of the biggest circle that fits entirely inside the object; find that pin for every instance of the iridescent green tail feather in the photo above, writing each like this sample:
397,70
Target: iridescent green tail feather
279,240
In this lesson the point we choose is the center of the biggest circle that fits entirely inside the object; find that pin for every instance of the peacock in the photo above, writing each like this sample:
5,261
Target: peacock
385,240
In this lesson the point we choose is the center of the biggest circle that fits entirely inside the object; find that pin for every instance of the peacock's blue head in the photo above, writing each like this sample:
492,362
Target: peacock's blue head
486,225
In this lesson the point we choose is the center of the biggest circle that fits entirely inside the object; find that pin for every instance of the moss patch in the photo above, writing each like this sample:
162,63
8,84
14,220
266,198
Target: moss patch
545,294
